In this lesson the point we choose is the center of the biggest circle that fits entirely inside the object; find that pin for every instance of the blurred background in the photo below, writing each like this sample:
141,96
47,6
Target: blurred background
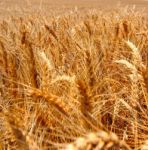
18,7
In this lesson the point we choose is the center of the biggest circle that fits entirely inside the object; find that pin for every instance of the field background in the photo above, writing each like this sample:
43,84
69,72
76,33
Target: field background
18,7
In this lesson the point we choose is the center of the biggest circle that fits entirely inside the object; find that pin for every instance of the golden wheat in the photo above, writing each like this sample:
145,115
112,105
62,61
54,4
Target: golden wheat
63,77
98,141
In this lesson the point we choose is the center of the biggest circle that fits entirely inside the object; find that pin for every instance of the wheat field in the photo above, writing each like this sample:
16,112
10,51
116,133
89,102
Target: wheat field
75,79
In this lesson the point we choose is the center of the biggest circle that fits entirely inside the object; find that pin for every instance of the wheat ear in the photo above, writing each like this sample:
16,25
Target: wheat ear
98,141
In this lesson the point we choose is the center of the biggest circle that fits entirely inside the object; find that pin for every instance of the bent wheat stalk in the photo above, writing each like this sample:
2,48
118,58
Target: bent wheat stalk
50,98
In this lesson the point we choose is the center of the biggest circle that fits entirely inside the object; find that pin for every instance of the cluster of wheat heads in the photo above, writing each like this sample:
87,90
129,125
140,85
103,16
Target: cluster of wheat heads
98,141
66,76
